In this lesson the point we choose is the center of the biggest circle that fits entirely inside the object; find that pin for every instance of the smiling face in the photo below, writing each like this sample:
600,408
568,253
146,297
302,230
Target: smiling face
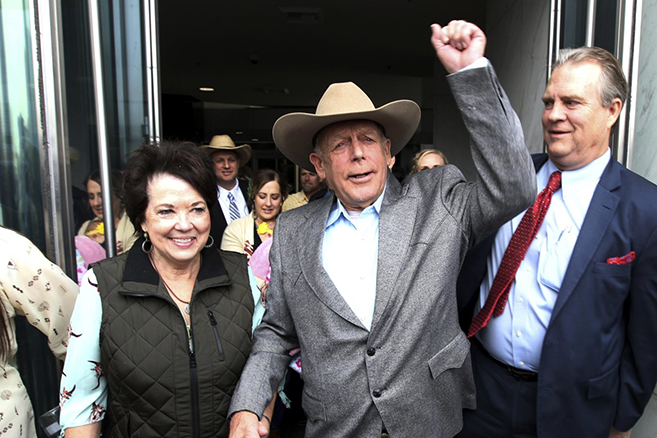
576,126
95,198
354,162
226,165
268,201
95,194
177,221
429,161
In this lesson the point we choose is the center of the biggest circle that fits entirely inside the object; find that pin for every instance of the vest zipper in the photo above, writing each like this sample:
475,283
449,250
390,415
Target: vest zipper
193,377
196,416
193,372
217,339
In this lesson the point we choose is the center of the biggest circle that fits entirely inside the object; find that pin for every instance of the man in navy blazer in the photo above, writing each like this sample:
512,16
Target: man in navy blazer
574,352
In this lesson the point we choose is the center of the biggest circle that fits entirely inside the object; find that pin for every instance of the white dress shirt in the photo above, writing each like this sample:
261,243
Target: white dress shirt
349,255
222,197
516,336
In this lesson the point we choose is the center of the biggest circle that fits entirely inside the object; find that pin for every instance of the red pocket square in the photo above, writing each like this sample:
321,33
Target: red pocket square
624,260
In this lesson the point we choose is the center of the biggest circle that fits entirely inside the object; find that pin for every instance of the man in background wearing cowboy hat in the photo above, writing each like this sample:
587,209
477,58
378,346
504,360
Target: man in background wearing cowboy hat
364,281
231,192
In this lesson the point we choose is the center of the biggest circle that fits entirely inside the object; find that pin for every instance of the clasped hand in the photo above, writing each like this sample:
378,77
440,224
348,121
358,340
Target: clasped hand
458,44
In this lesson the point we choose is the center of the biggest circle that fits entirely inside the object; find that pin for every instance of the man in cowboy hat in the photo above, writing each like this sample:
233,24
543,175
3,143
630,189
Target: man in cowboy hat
231,192
363,281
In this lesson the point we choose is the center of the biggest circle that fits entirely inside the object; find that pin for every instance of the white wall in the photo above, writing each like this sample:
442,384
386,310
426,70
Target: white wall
517,33
644,158
518,47
644,155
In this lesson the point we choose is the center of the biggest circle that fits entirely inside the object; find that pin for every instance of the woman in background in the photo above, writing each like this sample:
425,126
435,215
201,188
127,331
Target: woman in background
32,286
428,159
252,236
125,230
267,192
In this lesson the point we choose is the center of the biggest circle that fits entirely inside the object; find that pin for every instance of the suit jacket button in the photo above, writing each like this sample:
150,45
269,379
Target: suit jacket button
371,351
376,393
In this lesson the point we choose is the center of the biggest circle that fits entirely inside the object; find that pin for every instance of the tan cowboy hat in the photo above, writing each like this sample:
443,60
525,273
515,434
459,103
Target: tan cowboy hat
225,143
293,133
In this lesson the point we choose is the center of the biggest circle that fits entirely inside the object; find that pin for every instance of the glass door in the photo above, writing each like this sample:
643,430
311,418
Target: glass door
52,136
112,51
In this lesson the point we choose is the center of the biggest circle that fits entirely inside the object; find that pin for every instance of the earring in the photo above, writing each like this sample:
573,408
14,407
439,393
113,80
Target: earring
211,242
146,241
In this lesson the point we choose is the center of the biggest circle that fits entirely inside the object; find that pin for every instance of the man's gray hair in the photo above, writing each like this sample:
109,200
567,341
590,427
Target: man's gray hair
612,82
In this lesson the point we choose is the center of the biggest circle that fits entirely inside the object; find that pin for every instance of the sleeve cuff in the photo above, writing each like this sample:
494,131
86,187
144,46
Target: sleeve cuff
479,63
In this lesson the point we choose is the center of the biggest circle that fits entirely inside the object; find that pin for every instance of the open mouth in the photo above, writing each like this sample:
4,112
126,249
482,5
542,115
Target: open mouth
360,176
182,240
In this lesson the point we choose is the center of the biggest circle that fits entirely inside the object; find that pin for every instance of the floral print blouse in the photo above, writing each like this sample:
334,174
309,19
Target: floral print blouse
32,286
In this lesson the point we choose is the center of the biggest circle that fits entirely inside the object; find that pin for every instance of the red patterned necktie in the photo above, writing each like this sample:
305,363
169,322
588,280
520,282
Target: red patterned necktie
515,252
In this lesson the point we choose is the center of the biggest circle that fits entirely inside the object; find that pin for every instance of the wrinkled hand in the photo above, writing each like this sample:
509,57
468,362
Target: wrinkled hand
245,424
613,433
458,44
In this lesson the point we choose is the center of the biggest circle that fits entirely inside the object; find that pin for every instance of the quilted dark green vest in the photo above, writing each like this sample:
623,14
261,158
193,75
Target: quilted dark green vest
157,386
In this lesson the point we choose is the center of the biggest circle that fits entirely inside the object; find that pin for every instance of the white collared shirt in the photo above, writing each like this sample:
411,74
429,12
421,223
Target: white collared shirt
349,256
516,336
222,197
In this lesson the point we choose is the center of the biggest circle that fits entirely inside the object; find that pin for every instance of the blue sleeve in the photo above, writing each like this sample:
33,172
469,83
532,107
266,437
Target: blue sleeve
258,308
83,389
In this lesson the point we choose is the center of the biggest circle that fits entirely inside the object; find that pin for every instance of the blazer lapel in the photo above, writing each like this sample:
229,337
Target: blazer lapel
310,259
396,221
598,217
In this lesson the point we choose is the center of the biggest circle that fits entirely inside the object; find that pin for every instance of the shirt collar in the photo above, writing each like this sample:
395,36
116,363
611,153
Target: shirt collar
570,179
338,209
224,193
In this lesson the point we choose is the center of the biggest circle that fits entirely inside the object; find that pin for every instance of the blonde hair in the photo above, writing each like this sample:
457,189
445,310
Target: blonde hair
423,153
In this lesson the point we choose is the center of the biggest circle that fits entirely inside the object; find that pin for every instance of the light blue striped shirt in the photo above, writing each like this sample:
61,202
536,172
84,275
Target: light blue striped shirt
516,336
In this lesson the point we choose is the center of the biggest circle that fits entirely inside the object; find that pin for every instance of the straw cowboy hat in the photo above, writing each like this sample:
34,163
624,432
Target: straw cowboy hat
293,133
225,143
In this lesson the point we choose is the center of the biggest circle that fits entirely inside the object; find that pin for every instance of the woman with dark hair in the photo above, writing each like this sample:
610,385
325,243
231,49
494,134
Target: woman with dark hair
160,334
267,191
32,286
125,230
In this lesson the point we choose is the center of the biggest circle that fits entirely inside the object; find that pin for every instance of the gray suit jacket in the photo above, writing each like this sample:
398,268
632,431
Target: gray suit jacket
411,373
